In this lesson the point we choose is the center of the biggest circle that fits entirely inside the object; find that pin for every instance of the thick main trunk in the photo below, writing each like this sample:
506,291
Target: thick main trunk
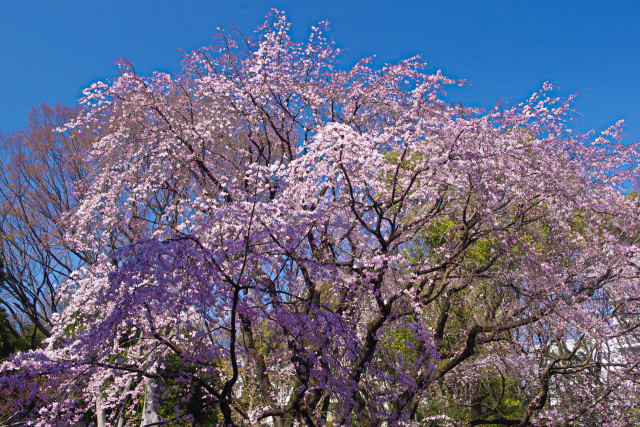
101,417
150,407
475,409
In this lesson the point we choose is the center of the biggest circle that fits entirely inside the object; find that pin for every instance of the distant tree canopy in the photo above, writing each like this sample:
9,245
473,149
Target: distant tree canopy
268,238
38,167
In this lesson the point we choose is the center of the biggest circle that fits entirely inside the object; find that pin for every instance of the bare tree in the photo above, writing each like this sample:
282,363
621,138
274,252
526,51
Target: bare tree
37,168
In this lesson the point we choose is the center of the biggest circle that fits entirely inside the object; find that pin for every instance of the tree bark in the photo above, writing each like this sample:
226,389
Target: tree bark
101,417
150,407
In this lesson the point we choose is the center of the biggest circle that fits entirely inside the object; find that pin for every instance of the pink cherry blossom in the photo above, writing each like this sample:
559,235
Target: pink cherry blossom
281,239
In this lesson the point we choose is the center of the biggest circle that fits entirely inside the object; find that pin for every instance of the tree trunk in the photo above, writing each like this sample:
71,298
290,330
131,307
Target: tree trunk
475,409
150,407
101,417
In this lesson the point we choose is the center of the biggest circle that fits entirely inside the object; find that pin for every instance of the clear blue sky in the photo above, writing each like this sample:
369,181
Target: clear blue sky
51,50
